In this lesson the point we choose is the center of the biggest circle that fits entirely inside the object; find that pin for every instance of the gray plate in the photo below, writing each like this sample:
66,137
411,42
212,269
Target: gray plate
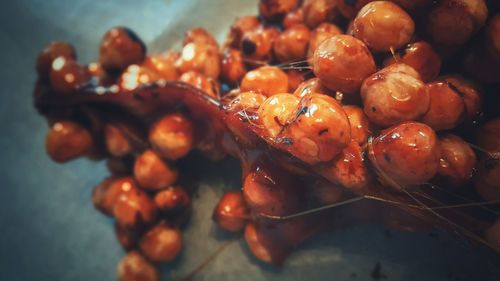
49,230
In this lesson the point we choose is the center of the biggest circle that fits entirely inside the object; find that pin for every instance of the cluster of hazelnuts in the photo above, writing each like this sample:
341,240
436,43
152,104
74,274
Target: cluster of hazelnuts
394,67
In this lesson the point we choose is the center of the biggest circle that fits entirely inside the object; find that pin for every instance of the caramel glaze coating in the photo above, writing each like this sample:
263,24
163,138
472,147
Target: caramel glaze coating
349,9
152,173
446,108
200,81
421,56
259,250
310,86
318,11
66,75
199,35
314,128
275,10
292,18
487,182
267,80
318,35
348,168
269,190
257,44
50,53
325,193
240,26
383,25
453,22
202,58
245,104
134,209
342,62
493,36
162,243
277,112
134,267
273,243
393,95
291,44
117,143
105,194
119,48
172,136
231,212
360,125
67,140
406,154
319,129
457,160
209,146
249,101
163,65
172,199
470,93
232,66
136,75
295,79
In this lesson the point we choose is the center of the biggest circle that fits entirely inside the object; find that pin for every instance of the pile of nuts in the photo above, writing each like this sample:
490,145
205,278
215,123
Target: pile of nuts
368,94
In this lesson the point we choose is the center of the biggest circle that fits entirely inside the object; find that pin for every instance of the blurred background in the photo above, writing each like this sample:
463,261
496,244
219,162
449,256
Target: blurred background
48,227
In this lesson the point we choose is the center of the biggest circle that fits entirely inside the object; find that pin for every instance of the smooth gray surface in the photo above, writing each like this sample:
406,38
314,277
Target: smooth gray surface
48,228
